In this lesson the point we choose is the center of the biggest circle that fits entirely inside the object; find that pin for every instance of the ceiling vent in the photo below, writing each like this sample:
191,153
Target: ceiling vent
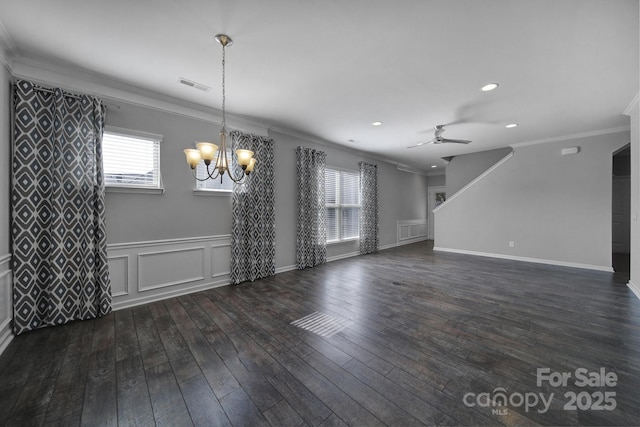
193,84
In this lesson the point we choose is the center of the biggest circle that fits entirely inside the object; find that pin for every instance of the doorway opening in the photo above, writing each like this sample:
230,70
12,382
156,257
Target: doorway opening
621,211
435,196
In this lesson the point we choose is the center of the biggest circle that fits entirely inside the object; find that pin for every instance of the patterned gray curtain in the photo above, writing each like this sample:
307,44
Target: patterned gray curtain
368,208
311,236
253,232
58,234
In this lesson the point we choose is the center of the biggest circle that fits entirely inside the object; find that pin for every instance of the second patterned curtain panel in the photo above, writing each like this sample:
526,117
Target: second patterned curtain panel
253,231
311,236
368,208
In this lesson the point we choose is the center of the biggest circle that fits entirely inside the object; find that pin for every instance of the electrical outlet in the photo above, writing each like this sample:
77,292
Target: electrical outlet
512,244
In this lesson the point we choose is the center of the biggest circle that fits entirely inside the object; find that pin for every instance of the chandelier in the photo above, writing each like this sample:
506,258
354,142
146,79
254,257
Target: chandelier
206,151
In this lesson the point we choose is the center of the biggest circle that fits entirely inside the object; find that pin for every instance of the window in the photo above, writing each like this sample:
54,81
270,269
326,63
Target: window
131,160
342,196
226,186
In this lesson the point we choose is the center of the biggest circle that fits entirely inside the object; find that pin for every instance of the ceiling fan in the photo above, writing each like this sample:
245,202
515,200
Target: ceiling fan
438,139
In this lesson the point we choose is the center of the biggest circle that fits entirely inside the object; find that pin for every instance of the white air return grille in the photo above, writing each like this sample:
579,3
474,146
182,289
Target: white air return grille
321,324
193,84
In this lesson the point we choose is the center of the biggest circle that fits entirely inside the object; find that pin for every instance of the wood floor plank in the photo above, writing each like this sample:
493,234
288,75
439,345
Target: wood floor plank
33,397
167,402
306,404
100,397
66,404
126,336
203,406
149,341
241,410
425,329
282,414
134,402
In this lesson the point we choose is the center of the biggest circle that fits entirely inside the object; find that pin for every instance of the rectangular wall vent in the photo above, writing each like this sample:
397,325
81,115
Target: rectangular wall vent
193,84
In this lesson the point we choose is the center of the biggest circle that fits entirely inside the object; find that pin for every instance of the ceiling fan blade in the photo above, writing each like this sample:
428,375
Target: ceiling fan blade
454,141
421,143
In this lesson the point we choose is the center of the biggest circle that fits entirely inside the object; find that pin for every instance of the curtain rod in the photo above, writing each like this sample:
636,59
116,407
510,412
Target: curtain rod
47,90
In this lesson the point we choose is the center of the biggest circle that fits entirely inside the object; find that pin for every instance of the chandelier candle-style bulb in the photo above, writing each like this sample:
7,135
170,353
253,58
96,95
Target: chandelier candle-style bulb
193,157
207,151
244,157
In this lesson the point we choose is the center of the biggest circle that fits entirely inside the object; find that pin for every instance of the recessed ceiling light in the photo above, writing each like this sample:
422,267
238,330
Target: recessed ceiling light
434,166
377,123
511,125
490,86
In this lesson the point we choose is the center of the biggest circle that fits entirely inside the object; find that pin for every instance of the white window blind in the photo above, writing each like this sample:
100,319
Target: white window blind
213,184
131,160
342,196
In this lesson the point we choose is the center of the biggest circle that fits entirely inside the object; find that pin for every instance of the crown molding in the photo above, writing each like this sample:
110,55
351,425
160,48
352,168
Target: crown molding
632,104
7,47
114,92
569,137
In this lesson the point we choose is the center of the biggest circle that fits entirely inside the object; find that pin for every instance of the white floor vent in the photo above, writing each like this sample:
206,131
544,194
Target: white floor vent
321,324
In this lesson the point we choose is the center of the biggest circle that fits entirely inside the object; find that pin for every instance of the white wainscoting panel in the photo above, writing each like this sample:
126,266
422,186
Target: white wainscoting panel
143,272
161,269
6,302
411,231
119,274
220,259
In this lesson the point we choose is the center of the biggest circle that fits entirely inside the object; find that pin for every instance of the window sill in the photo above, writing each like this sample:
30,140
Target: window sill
134,190
337,242
209,193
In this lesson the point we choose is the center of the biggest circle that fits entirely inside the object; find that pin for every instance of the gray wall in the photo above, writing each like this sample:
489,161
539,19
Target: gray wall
179,213
436,180
553,207
467,167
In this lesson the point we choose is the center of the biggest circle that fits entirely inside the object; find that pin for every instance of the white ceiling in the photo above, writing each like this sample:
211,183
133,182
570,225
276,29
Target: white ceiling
329,68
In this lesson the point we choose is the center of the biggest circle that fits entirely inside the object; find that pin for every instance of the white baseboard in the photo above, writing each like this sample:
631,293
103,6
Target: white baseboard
404,242
343,256
634,288
119,305
526,259
286,268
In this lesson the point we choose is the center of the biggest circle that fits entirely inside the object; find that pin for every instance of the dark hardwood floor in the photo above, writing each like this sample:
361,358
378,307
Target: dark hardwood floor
428,339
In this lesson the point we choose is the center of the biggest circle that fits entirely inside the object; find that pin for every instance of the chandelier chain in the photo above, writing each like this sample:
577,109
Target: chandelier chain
224,95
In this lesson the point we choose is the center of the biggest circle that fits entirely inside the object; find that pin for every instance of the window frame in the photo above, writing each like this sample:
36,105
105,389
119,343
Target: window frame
134,134
340,206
